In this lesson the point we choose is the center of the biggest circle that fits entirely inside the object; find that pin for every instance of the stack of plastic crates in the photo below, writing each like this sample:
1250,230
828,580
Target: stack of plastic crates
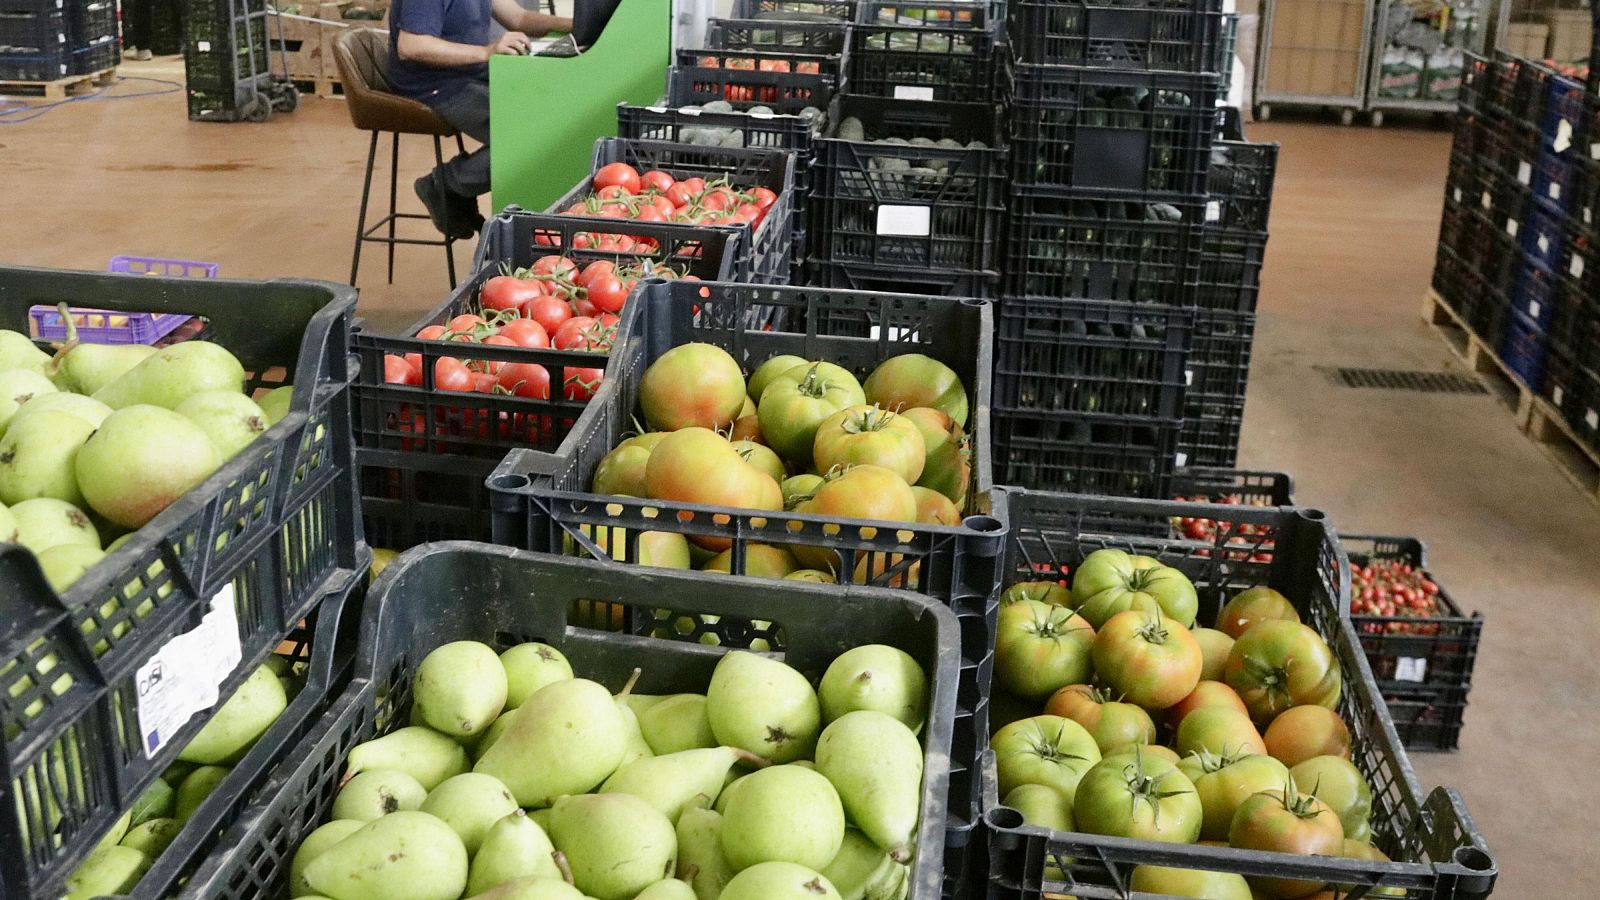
1111,126
92,36
910,186
33,41
228,63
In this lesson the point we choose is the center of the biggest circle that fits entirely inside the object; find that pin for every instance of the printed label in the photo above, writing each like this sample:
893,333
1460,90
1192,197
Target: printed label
1188,377
912,92
1533,308
1563,138
1524,171
1556,395
1592,418
1411,668
904,221
1458,195
1544,244
1555,191
1181,458
1486,200
1511,227
1214,210
182,677
1576,268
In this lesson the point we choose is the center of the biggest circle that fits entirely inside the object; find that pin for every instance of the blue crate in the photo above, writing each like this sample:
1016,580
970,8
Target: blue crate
1562,122
1544,235
1523,350
1535,296
1555,181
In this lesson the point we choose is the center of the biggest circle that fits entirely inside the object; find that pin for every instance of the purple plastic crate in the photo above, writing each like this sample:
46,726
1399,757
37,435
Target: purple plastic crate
168,268
98,326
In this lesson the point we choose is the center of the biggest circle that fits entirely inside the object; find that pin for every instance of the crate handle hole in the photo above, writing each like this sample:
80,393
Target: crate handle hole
1313,515
983,523
509,482
1474,859
1004,818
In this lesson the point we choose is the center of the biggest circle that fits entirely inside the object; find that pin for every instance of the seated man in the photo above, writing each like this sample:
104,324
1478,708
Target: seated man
439,54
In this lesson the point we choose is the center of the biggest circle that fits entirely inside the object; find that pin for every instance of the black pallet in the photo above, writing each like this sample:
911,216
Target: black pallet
604,620
1121,456
1103,247
748,78
799,10
1105,129
912,206
1436,847
932,282
1145,35
897,54
795,37
1090,357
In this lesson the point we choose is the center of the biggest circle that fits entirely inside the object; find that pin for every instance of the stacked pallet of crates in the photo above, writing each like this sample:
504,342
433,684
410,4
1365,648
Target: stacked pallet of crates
910,187
228,66
1112,122
48,40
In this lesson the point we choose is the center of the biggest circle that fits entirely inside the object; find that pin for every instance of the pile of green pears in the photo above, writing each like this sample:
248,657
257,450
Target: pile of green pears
154,821
98,439
518,781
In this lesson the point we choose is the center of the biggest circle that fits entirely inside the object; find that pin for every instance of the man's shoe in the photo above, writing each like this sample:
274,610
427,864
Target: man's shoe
437,201
143,55
464,212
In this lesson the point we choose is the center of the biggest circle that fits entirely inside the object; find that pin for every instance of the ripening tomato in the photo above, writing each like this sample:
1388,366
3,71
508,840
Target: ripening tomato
1214,647
554,264
1206,693
1301,732
1040,649
1043,591
1149,658
1111,722
1286,822
504,292
871,435
1047,750
795,403
619,174
1223,783
655,179
399,370
1252,606
1167,881
525,333
697,465
1110,581
1337,782
692,384
548,311
1143,797
1278,664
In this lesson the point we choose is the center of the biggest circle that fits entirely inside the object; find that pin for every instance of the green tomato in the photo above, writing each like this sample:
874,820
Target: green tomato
1140,797
1110,581
1225,782
1197,883
795,403
1040,649
769,370
1043,591
1047,750
1334,781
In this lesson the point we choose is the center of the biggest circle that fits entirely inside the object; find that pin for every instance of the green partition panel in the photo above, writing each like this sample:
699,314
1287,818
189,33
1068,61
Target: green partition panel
546,113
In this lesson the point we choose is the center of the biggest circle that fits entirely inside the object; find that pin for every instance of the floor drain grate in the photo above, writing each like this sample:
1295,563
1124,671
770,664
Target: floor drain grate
1407,380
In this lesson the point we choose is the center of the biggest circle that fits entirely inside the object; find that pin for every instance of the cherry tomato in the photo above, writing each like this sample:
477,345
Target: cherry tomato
607,293
602,268
577,332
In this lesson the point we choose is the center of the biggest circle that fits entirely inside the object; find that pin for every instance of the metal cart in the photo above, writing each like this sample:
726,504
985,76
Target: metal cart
1313,53
1403,48
235,62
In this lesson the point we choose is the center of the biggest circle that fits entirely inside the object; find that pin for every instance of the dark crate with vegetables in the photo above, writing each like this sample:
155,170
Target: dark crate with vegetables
763,79
1163,37
1140,731
1217,375
1116,455
509,360
925,50
797,36
796,10
834,789
854,276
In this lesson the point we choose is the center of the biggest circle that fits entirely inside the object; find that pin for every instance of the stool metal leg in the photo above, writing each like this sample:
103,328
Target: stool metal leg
361,218
394,182
449,242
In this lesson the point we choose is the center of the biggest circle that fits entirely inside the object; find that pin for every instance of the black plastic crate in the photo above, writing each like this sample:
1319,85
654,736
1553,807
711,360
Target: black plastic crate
423,451
37,30
274,528
1427,718
802,37
1145,35
90,20
1090,357
1407,652
1230,270
1586,191
1124,456
762,256
1510,147
1240,182
924,50
97,56
1107,129
570,604
1522,349
1491,251
1229,486
932,282
1437,849
1099,247
785,83
42,65
800,10
791,133
1574,392
1217,375
1575,325
920,206
543,502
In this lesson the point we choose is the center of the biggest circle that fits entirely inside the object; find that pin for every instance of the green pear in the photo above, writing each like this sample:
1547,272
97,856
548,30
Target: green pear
18,386
859,866
375,793
779,881
17,351
700,858
153,837
875,763
275,405
326,835
514,847
762,705
232,420
532,889
170,454
731,788
235,725
154,803
677,723
786,813
195,789
470,803
566,739
541,818
108,870
667,889
529,667
422,753
86,408
46,522
1041,805
490,735
172,374
676,781
9,533
119,830
634,745
66,563
406,854
878,677
641,702
615,844
37,458
460,688
87,368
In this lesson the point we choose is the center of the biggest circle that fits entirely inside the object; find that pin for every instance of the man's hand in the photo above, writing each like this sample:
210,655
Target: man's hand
512,43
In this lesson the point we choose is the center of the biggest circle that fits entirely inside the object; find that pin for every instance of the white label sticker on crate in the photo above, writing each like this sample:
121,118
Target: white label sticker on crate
182,677
1188,377
1458,195
1594,150
1556,395
1511,227
1411,668
1181,458
203,46
1563,138
1213,210
1554,191
1533,308
1544,243
905,221
912,92
1486,201
1576,266
1524,171
1592,418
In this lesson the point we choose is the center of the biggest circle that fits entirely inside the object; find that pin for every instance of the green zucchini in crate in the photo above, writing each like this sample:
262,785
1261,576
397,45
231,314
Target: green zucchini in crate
600,618
1434,846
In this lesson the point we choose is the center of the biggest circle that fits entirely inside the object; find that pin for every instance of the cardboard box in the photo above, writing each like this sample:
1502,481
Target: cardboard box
1527,39
1315,47
1571,33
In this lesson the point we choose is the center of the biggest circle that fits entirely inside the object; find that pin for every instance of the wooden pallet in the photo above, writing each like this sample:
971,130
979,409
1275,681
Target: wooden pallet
1479,358
59,89
330,88
1576,458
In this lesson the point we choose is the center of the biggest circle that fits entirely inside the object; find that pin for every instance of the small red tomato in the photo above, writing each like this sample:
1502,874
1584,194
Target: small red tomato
466,323
574,333
607,294
496,340
679,195
548,311
656,179
431,333
763,197
503,292
600,268
580,384
483,382
526,380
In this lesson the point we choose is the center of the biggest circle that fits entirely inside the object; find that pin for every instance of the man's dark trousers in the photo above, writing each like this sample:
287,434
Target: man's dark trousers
468,113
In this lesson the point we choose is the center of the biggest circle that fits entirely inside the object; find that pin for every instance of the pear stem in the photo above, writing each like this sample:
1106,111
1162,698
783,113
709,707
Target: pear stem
689,872
72,338
900,854
750,759
633,679
561,863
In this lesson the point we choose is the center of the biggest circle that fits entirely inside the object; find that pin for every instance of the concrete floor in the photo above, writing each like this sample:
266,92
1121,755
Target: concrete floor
1353,226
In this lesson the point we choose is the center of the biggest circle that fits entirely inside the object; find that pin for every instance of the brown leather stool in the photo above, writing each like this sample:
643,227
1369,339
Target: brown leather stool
362,55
